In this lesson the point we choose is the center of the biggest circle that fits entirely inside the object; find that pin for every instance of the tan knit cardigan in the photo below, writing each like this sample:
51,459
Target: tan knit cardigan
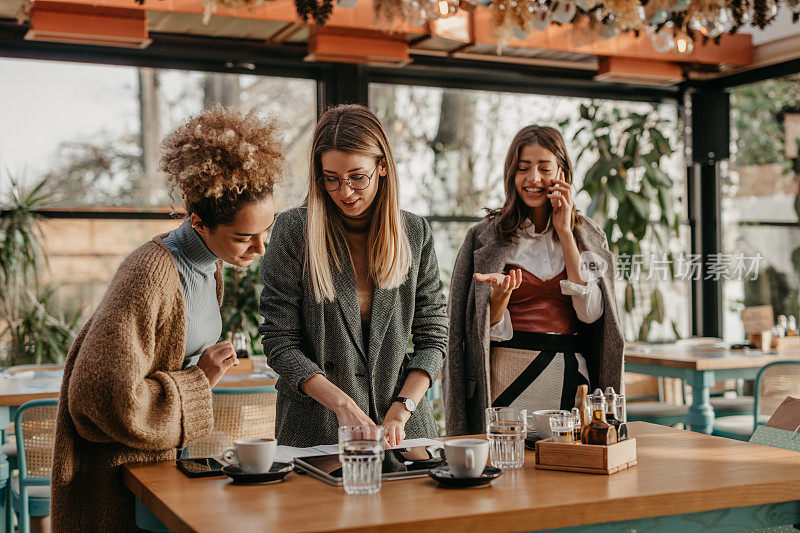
124,398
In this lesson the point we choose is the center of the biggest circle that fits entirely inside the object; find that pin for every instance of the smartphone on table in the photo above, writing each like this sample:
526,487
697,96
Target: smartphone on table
200,467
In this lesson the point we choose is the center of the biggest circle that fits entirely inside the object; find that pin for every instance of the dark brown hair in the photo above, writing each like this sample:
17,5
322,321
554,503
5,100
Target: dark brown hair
514,212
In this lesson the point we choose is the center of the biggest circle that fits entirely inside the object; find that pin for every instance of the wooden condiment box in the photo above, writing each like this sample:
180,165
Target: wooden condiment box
245,366
586,458
778,343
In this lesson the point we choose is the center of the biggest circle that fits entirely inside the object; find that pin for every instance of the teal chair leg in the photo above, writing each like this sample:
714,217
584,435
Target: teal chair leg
9,508
147,520
25,506
8,497
25,512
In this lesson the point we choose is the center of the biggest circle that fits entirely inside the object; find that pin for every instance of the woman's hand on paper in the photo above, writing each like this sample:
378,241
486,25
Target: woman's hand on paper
350,414
395,423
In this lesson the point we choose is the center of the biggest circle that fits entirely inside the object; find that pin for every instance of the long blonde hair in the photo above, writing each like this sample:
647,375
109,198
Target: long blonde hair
354,129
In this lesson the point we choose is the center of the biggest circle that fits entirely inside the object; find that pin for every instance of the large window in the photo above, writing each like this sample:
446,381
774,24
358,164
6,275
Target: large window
94,133
450,146
760,202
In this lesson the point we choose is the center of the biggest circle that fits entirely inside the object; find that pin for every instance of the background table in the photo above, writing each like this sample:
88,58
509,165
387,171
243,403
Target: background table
684,481
700,367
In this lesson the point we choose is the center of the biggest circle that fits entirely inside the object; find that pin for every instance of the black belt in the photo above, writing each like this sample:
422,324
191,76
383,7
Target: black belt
548,342
548,345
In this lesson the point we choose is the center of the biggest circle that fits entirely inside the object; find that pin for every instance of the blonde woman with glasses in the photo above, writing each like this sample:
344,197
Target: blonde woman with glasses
348,279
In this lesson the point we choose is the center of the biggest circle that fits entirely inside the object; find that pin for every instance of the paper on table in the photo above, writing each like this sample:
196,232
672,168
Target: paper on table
285,454
411,443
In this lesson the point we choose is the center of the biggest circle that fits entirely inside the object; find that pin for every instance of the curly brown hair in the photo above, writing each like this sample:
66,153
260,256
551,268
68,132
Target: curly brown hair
221,160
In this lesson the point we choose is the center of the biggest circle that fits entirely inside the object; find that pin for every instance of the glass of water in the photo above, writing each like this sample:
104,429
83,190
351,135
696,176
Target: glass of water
361,455
562,426
506,428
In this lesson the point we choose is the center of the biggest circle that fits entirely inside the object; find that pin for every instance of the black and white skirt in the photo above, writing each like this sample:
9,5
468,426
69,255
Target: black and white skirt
536,371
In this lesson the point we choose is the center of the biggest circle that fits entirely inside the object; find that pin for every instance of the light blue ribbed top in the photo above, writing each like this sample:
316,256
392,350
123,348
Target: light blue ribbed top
196,267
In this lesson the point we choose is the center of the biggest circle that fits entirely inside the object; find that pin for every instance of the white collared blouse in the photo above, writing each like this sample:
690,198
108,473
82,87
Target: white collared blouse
541,255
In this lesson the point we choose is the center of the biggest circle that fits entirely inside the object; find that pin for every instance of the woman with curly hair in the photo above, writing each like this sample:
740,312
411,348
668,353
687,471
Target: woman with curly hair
138,379
348,279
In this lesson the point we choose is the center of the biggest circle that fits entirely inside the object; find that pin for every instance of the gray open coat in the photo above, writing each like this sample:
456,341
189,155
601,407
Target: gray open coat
303,337
466,375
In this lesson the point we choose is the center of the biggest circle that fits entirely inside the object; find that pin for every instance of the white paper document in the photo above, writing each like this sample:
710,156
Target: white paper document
285,454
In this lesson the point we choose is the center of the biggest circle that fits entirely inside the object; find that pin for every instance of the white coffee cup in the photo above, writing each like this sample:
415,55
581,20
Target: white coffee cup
466,457
253,456
541,420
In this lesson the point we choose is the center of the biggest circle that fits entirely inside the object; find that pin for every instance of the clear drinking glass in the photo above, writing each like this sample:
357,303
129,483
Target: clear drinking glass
562,425
506,428
361,455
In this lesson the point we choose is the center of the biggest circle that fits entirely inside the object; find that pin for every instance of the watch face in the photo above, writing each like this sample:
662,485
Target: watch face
411,405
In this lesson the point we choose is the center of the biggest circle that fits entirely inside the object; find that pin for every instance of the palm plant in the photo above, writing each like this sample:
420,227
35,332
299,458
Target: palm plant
632,197
30,331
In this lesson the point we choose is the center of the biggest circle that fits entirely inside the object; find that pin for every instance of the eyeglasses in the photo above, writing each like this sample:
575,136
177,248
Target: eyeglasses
357,182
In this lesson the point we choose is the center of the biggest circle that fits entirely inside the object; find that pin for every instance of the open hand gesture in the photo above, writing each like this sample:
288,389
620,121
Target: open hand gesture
503,284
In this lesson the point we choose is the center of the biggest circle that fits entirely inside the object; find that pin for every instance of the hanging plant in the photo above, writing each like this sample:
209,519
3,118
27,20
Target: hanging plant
310,9
697,19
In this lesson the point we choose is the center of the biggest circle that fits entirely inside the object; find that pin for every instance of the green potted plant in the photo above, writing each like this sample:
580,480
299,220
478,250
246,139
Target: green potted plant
240,309
29,328
632,197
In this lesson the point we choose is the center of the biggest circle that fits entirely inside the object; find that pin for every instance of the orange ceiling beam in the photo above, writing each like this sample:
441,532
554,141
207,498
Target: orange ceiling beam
639,71
361,16
736,50
79,24
357,46
473,28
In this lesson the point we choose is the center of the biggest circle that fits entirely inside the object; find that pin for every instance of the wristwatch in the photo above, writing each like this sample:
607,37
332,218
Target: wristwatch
408,403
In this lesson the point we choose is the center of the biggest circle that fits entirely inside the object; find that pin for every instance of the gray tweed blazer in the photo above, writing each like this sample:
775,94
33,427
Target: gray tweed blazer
466,375
302,337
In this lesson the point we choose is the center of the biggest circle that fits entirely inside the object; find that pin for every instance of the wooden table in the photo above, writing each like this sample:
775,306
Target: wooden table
684,481
46,383
701,367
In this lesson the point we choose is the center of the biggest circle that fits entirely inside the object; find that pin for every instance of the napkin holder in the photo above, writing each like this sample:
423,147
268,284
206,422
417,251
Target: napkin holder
586,458
782,430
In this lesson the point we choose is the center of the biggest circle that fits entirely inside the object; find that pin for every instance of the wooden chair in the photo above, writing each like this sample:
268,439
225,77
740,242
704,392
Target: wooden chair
668,410
239,412
773,383
35,428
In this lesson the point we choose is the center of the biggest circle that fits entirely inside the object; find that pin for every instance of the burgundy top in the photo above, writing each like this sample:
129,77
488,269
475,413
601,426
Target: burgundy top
538,306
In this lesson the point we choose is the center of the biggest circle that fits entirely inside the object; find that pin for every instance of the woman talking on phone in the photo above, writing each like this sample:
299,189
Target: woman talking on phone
137,381
529,322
